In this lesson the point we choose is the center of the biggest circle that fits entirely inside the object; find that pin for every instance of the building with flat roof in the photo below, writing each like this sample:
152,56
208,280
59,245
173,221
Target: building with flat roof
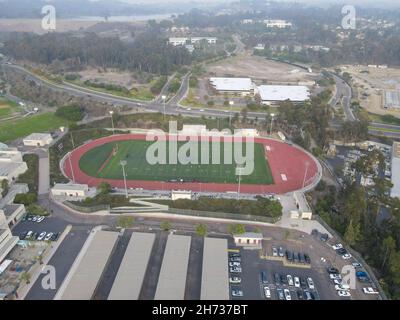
83,277
172,279
181,194
129,280
38,140
209,40
392,99
249,239
277,24
243,86
70,190
214,278
178,41
13,213
272,94
395,192
11,170
7,240
10,155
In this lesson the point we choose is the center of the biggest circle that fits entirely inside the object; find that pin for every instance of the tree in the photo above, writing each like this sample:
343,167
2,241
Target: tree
165,226
26,276
104,188
236,229
4,187
201,230
352,234
125,222
72,113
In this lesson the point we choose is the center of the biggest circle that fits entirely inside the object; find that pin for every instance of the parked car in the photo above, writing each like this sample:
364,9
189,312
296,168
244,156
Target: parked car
308,295
300,295
295,257
234,264
337,281
267,292
324,237
283,279
34,218
281,252
237,293
277,279
301,258
296,282
346,256
332,270
35,235
303,283
235,280
48,236
362,276
290,280
264,277
287,294
39,219
235,259
23,235
281,295
370,290
343,293
357,265
235,269
41,236
55,236
337,246
29,234
334,276
342,287
307,258
341,251
289,255
310,283
274,252
314,232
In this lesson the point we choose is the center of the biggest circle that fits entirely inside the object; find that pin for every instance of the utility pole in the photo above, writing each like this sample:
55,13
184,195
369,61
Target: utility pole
230,112
164,98
72,168
123,164
305,173
72,140
112,121
272,119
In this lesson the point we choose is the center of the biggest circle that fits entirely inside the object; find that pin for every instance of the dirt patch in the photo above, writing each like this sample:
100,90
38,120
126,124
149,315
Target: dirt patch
121,78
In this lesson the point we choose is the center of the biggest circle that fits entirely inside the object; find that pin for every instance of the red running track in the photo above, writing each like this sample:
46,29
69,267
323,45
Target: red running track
282,158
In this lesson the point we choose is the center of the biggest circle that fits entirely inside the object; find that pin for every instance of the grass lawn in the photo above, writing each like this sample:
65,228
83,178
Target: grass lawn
134,152
7,108
12,130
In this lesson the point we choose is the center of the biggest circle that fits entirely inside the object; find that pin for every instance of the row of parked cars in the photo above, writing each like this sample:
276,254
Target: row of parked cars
295,257
340,250
304,286
342,288
33,218
235,268
36,236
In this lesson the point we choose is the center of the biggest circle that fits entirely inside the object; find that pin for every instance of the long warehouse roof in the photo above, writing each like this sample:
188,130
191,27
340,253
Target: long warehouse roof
130,276
214,281
172,279
282,93
84,280
232,84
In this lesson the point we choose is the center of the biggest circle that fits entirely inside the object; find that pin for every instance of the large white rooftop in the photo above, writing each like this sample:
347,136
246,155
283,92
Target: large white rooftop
38,136
282,93
232,84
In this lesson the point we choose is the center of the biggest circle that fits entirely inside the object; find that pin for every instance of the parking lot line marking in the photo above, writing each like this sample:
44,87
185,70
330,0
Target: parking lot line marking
233,250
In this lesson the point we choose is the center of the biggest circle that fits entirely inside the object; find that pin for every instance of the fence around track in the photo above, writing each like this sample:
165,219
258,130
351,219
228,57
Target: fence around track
356,255
223,215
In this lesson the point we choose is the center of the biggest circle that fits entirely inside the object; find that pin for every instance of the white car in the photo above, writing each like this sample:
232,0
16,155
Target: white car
274,252
201,110
342,287
235,280
287,294
356,265
337,246
344,293
289,280
234,264
370,290
235,269
29,234
48,236
41,236
267,292
337,281
346,256
237,293
34,219
40,219
310,283
334,276
297,282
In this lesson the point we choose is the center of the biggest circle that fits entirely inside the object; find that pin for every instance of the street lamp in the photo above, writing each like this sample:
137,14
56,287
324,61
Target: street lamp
272,119
123,164
231,103
112,120
164,98
305,173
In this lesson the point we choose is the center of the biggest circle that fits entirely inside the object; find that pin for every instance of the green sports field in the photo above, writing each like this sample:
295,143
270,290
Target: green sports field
101,162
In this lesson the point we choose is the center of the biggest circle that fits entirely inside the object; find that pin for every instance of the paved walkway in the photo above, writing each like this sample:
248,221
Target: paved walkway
44,175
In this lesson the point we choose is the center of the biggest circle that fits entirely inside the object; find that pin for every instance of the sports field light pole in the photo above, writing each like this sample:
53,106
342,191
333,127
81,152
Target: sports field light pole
272,119
123,164
72,168
112,120
164,98
305,173
240,175
230,112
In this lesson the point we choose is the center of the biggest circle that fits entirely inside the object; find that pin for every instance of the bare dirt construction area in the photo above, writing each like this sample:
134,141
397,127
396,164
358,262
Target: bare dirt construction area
259,69
121,78
35,25
370,84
